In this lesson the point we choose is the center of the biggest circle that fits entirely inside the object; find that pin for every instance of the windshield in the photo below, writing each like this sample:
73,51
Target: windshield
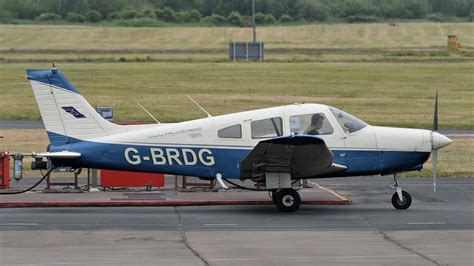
349,123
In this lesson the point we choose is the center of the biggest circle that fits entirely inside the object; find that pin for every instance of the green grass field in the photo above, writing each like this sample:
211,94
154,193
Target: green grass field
406,42
408,35
392,94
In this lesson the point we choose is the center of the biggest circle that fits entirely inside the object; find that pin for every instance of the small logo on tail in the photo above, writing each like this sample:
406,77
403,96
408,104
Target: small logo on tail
73,111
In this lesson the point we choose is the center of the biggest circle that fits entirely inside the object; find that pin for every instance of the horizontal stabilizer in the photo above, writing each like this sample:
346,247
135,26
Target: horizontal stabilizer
60,155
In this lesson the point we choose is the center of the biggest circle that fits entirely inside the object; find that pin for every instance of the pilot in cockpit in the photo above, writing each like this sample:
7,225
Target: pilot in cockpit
316,124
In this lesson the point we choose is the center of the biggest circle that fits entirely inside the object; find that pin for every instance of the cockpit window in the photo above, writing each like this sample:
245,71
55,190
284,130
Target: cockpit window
349,123
310,124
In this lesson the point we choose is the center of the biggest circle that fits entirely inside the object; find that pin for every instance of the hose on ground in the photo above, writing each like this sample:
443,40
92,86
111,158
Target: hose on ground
242,187
32,187
252,189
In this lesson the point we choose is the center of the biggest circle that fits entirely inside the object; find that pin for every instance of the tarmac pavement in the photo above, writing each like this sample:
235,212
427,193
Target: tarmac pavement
167,196
436,230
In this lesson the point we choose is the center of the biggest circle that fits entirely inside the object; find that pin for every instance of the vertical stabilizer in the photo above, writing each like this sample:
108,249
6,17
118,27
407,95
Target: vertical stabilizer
67,116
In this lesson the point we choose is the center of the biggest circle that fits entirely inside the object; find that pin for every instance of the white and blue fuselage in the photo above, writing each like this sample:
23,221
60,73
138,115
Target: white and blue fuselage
194,147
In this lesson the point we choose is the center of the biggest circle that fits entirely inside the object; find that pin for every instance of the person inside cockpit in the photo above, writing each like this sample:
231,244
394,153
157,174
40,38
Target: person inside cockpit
316,124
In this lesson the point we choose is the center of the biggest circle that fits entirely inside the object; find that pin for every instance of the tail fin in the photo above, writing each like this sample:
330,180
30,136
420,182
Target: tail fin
67,116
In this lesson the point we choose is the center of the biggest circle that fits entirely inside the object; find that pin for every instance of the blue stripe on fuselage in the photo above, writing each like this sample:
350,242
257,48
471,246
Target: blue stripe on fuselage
206,162
367,162
203,162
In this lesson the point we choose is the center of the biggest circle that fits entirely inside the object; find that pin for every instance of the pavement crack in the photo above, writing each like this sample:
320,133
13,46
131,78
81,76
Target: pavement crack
182,230
398,244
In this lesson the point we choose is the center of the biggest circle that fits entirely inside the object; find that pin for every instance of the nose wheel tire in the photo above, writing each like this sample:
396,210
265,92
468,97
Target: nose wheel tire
287,200
401,204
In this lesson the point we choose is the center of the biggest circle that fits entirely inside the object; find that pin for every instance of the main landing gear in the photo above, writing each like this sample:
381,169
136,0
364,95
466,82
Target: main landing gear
286,199
401,199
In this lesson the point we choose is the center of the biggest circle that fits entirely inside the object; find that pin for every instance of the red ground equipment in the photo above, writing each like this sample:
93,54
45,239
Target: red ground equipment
4,171
111,178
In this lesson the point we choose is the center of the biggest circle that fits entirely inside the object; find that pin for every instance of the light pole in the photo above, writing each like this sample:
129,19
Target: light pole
253,22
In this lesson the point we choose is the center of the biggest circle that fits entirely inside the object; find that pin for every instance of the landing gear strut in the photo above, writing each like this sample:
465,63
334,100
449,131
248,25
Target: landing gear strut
401,199
286,199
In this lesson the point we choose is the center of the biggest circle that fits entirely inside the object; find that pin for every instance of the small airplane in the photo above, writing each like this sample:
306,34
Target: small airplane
273,147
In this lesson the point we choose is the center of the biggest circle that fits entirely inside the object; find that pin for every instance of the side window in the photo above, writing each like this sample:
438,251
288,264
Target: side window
267,128
310,124
232,132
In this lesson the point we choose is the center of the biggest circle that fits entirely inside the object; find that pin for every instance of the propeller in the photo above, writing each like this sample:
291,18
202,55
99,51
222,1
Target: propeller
438,141
434,151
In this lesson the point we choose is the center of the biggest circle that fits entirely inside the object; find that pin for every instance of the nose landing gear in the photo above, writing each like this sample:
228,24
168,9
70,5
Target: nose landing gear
401,199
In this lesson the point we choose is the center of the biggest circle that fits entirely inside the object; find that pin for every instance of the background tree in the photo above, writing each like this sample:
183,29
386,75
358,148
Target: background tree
235,18
312,10
130,14
149,13
166,14
195,16
259,18
28,9
285,18
418,8
48,17
269,19
395,9
215,19
194,10
75,17
114,16
93,16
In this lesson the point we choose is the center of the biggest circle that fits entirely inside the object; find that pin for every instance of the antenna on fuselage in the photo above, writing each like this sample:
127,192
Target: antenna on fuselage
146,111
200,107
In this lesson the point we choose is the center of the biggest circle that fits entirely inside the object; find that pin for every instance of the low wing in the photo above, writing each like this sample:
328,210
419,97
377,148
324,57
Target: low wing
302,156
60,155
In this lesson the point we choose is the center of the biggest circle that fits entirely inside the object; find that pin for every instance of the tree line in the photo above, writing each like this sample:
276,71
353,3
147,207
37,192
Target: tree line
235,12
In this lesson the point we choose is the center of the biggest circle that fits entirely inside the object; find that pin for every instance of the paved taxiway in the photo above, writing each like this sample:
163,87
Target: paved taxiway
437,229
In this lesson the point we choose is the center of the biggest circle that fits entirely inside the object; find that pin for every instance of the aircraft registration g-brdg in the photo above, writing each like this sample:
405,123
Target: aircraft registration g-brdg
273,147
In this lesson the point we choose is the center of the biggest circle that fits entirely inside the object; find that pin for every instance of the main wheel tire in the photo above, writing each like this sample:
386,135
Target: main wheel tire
404,204
287,200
